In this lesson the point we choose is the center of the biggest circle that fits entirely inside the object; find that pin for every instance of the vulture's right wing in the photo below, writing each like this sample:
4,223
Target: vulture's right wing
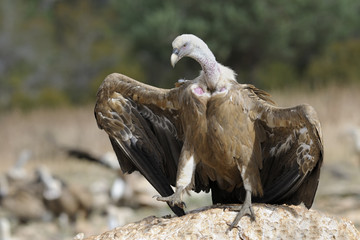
136,118
292,150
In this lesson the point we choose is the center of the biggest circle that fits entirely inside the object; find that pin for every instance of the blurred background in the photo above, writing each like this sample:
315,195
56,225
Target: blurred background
55,53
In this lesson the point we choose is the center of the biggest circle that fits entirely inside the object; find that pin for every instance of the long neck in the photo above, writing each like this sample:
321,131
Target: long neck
210,67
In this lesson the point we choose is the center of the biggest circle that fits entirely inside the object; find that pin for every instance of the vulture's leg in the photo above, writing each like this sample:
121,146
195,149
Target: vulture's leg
246,207
184,178
174,199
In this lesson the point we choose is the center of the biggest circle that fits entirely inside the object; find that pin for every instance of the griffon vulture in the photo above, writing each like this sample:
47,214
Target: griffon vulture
20,201
61,198
212,133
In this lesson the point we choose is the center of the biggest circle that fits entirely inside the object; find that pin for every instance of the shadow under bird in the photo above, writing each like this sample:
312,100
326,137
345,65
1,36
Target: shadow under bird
212,133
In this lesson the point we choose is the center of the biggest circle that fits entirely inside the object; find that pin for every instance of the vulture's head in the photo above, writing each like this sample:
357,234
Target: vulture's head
188,45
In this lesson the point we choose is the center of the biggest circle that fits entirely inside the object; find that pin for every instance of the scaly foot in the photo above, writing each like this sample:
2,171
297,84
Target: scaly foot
174,199
245,209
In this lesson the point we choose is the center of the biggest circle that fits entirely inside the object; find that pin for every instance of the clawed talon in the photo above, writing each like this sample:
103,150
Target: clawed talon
172,200
245,209
156,196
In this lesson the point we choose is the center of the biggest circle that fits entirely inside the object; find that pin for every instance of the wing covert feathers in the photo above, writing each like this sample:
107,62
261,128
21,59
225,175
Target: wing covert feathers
292,151
142,140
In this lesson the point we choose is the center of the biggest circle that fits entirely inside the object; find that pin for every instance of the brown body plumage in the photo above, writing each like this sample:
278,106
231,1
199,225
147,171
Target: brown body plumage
212,133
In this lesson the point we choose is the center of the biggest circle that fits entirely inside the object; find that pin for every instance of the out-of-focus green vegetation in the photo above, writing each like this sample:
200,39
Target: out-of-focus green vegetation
56,53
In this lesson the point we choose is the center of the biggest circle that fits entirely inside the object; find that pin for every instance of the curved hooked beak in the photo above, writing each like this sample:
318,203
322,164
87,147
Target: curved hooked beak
174,57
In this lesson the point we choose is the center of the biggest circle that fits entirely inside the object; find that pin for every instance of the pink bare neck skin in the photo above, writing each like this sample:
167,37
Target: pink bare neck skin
199,91
209,65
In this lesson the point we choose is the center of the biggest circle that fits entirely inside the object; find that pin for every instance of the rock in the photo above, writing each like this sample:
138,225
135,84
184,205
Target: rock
272,222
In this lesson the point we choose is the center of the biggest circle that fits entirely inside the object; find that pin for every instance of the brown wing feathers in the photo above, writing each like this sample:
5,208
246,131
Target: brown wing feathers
292,155
141,140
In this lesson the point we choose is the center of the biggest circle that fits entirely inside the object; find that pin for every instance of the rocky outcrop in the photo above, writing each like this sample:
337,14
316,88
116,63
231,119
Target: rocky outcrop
272,222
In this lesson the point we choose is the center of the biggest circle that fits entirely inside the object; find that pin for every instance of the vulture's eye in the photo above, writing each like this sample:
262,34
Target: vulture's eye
185,44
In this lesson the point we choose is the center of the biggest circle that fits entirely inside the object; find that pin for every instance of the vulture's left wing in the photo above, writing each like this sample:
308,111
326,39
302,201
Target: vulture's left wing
136,118
292,150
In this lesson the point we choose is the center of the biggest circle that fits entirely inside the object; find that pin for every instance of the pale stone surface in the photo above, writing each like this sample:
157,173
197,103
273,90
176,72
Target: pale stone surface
272,222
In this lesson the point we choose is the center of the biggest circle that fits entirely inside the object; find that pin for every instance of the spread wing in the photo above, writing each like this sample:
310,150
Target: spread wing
292,150
137,118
